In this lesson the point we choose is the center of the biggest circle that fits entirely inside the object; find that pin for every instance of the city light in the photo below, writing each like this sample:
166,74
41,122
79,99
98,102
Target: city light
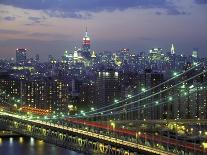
113,125
116,101
129,96
175,74
170,98
114,92
183,86
204,145
143,89
192,86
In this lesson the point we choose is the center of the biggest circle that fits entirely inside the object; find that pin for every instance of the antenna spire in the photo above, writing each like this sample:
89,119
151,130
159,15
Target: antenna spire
86,33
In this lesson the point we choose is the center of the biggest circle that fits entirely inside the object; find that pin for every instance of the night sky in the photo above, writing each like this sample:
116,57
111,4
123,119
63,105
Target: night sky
52,26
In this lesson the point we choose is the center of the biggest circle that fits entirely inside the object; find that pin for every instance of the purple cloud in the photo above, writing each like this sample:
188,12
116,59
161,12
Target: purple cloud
71,8
201,1
6,31
9,18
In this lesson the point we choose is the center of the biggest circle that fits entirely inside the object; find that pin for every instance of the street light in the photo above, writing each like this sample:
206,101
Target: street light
129,96
170,98
175,74
143,89
15,105
183,86
113,125
192,86
204,145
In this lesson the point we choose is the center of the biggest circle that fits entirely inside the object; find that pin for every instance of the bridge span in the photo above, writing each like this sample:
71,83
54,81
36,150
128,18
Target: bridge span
82,139
79,140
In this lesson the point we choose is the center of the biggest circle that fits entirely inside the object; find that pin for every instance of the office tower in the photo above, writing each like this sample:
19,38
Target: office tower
107,88
21,55
86,45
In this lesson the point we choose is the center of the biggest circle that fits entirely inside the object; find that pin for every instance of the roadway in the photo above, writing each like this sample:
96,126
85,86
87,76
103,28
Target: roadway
94,135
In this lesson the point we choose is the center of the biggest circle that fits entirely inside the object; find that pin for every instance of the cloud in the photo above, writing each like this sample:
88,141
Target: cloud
3,11
62,14
37,34
35,19
6,31
72,8
9,18
201,1
176,12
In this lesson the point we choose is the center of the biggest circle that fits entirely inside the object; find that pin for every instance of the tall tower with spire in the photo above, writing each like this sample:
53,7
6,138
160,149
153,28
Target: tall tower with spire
172,49
86,42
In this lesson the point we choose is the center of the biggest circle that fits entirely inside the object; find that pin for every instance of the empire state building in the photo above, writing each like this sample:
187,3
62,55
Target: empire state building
86,42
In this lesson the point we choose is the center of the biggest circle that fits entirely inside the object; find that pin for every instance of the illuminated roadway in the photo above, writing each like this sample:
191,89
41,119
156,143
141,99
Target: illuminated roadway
95,135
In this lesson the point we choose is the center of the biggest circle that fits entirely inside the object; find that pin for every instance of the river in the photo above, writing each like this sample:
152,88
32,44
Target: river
30,146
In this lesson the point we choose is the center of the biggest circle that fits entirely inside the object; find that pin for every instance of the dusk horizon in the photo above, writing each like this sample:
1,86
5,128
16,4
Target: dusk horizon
46,28
103,77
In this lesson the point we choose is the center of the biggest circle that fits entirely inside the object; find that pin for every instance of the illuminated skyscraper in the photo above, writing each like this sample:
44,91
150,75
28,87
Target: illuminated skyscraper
21,55
172,49
86,42
86,45
156,54
195,53
107,87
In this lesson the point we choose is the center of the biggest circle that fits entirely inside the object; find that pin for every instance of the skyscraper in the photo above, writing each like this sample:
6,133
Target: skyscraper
86,45
21,55
107,87
172,49
195,53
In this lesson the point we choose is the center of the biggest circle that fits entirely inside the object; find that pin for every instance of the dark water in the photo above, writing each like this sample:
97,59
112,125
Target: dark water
30,146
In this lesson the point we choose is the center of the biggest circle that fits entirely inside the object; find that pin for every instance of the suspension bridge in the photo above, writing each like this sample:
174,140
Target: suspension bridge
170,118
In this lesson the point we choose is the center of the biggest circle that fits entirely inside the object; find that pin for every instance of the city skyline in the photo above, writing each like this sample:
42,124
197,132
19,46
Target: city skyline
103,77
51,28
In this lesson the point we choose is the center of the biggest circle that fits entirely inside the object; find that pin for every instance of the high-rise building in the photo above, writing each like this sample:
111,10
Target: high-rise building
156,54
86,42
172,49
195,53
21,55
107,88
86,45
